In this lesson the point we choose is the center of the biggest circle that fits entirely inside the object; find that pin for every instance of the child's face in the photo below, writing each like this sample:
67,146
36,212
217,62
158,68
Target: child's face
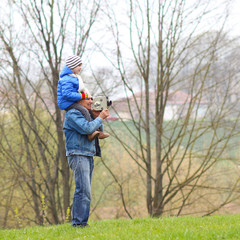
77,69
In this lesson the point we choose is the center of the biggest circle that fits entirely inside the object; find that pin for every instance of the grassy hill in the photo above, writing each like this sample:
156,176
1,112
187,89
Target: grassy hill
214,227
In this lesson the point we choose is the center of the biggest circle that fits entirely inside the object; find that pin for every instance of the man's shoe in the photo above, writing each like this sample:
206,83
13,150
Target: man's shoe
93,135
103,135
80,225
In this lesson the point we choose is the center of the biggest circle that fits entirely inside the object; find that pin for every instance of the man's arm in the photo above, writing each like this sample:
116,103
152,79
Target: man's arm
78,122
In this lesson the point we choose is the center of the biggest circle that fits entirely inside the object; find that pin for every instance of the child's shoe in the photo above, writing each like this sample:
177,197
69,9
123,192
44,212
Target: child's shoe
103,135
93,135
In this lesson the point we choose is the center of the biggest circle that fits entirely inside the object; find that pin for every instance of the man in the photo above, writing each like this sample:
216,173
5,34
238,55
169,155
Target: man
80,152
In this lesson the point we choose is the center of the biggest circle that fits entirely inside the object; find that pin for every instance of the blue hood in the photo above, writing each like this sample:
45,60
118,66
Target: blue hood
65,71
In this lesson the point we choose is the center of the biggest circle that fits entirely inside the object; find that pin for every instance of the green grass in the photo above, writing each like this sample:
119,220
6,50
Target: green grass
214,227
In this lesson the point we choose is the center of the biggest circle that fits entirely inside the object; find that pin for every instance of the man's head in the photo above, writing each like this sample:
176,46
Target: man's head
74,63
87,103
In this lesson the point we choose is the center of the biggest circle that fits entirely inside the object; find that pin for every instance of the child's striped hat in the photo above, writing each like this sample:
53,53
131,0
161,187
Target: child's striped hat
73,61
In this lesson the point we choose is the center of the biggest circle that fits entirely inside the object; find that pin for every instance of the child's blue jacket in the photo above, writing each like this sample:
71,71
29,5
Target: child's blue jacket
67,89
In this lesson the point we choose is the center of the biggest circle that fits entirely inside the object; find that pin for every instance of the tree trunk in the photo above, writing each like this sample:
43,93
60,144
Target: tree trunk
61,149
158,194
148,164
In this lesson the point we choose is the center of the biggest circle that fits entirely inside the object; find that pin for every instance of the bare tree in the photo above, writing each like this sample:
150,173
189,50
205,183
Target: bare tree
168,50
33,54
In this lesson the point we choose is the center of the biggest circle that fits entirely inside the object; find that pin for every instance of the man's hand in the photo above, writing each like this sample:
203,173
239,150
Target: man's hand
95,113
104,114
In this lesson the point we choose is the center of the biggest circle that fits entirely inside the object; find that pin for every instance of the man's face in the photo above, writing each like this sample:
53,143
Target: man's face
77,69
87,103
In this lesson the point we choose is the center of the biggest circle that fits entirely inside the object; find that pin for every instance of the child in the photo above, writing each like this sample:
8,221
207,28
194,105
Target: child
71,89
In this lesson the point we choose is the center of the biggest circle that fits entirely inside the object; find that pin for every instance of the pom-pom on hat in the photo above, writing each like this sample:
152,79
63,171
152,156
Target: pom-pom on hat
84,95
73,61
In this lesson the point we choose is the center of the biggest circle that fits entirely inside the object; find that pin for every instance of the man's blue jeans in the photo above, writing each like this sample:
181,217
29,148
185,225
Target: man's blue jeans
82,167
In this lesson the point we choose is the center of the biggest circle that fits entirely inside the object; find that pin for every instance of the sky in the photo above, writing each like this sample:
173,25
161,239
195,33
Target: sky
234,19
233,24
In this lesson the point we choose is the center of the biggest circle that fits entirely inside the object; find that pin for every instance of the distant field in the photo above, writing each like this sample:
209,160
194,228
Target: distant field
214,227
171,130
